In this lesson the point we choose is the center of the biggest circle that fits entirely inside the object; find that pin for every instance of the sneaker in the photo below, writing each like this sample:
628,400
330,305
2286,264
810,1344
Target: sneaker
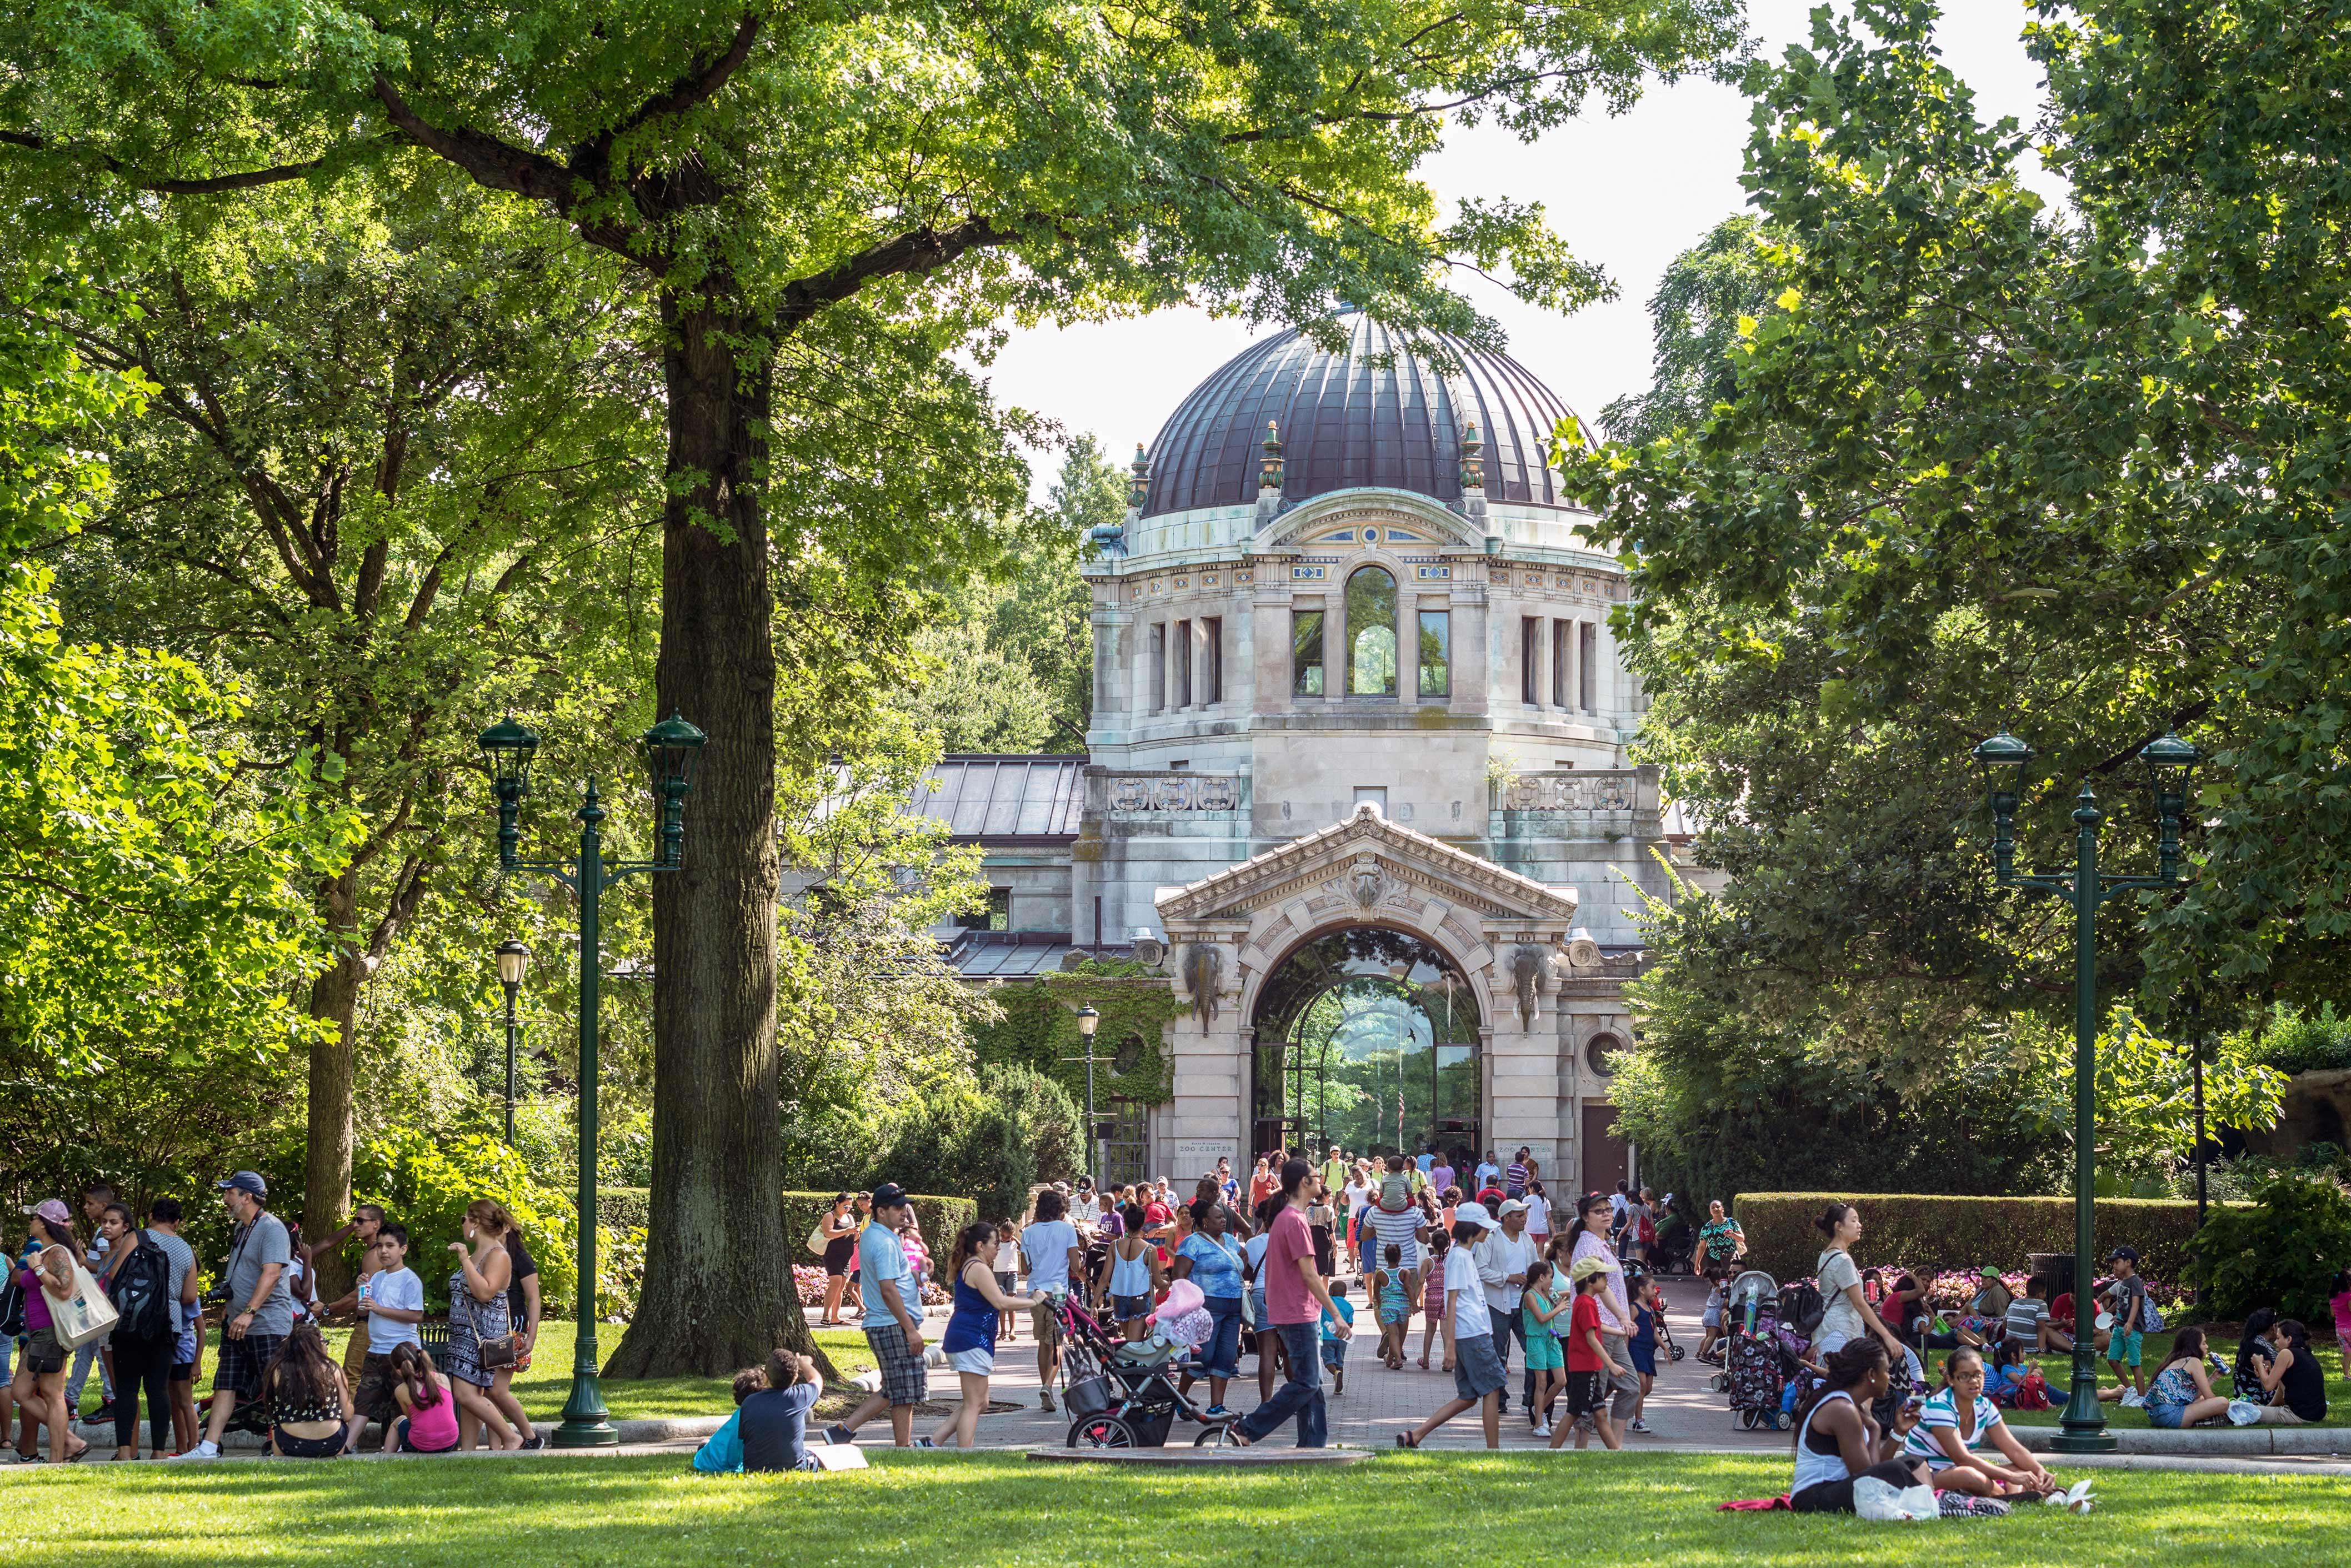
837,1433
1543,1428
1637,1426
2244,1412
924,1442
205,1450
1044,1398
2134,1400
535,1441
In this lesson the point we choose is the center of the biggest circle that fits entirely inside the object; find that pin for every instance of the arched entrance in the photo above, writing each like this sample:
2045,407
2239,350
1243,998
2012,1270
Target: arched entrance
1367,1038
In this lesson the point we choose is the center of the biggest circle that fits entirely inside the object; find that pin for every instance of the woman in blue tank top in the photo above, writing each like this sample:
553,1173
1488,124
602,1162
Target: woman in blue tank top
970,1339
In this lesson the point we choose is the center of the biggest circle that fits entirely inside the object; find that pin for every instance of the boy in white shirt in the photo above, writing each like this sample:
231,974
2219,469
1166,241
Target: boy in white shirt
391,1305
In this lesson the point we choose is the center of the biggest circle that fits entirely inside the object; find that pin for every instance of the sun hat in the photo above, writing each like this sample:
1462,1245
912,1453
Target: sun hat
1473,1214
1584,1268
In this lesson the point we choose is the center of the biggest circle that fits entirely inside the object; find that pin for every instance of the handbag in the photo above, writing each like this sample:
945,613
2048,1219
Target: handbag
492,1355
85,1316
816,1241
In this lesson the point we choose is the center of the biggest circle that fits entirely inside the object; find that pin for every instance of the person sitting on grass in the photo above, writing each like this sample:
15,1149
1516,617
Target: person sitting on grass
2293,1390
1955,1426
2032,1330
311,1415
2181,1394
428,1423
773,1420
721,1453
1838,1442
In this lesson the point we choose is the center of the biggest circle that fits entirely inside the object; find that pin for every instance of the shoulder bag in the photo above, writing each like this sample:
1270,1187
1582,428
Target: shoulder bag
490,1354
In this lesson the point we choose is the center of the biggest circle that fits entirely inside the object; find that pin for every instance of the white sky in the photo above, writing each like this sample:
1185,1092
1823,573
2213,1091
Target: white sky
1629,193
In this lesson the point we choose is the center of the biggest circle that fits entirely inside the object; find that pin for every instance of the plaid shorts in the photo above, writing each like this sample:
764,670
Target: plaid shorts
904,1380
242,1362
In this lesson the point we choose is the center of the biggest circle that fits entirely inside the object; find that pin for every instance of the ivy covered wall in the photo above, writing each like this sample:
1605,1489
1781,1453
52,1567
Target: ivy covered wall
1039,1027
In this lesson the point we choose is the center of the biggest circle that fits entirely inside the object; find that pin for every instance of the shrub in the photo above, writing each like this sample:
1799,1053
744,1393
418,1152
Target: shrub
2280,1250
2293,1041
425,1183
1012,1128
623,1208
1935,1230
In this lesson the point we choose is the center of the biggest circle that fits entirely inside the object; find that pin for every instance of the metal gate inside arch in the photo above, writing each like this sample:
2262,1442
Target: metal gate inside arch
1366,1038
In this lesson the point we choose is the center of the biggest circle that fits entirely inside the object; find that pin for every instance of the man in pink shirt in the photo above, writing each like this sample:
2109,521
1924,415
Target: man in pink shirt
1295,1300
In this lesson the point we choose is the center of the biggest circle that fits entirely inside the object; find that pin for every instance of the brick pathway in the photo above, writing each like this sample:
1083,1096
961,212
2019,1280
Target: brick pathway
1682,1412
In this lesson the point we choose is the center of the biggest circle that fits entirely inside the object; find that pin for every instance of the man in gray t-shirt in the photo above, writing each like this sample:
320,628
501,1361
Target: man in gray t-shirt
260,1307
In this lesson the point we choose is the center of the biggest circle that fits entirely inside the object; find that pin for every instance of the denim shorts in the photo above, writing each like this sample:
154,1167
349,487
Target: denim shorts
1125,1307
2167,1416
1477,1370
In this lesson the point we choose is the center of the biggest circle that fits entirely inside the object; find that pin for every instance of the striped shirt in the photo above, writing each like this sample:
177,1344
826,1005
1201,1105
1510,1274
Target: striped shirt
2025,1316
1941,1413
1397,1227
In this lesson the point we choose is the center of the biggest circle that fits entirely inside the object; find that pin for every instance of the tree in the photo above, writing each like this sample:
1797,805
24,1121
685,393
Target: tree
899,169
147,916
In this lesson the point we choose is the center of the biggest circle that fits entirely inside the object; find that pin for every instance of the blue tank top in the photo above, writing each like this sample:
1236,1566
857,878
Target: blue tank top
1129,1276
972,1324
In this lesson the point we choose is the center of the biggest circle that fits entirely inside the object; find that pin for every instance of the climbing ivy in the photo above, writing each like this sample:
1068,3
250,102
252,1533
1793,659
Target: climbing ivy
1039,1027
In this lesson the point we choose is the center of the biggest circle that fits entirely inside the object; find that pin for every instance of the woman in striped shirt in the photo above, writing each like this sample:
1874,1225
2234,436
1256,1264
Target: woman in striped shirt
1954,1428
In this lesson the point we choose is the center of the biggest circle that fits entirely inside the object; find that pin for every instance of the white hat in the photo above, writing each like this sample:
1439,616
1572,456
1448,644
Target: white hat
1511,1206
1473,1214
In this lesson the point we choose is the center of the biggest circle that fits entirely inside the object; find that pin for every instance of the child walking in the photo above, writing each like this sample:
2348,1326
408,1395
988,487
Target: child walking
1432,1302
1649,1306
1536,1307
1335,1349
1587,1360
1392,1287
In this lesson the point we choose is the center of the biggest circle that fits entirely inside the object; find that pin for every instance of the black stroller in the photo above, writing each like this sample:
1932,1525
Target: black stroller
1758,1363
1123,1394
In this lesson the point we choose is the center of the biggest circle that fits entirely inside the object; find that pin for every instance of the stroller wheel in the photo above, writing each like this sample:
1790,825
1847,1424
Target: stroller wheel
1101,1432
1746,1418
1212,1436
1678,1353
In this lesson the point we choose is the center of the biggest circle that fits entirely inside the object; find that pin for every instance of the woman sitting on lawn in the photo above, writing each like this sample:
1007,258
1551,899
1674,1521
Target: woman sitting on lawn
1954,1427
2294,1389
1838,1443
311,1405
2181,1394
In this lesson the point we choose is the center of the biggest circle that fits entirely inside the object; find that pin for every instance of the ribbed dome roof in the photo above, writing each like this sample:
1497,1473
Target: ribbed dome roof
1374,415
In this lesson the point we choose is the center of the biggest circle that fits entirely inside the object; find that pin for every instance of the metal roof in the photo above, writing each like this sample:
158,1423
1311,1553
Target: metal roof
1374,415
1022,955
983,796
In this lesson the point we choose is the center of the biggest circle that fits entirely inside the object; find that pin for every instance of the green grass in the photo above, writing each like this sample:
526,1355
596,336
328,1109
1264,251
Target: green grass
2059,1370
968,1512
547,1383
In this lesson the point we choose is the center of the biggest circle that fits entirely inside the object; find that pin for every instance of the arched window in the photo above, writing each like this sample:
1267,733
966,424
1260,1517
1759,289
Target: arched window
1372,633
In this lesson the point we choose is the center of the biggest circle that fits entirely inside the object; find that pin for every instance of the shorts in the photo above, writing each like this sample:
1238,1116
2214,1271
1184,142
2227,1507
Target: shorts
1587,1392
904,1380
1542,1352
242,1362
1043,1320
182,1372
43,1353
1710,1319
1477,1370
1125,1307
1258,1311
327,1448
2125,1347
838,1256
402,1443
1008,1283
979,1362
1335,1354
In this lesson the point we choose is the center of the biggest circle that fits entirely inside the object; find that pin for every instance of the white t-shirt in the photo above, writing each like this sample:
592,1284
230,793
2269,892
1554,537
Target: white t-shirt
394,1288
1047,1244
1505,1256
1538,1215
1359,1198
1470,1317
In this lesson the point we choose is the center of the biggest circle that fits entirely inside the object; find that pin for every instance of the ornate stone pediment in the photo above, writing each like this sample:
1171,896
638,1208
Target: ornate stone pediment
1397,520
1363,868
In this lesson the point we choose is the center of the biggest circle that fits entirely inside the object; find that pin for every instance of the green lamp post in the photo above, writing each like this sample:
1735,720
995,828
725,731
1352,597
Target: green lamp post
2171,762
671,749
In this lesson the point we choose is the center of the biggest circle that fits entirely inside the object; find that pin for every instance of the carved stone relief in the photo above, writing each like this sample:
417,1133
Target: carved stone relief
1175,792
1570,792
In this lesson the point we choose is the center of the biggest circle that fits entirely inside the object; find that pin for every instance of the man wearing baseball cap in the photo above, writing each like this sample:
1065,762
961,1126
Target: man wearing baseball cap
2127,1293
894,1323
261,1309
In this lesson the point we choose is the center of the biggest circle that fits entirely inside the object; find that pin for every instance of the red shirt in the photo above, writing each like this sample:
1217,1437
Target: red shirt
1584,1320
1290,1243
1155,1215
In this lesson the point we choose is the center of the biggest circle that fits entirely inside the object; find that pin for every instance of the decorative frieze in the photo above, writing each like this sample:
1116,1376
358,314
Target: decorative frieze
1134,792
1574,791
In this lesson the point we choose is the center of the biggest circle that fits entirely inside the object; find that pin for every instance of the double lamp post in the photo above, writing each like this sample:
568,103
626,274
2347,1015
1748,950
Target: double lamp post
671,749
2170,763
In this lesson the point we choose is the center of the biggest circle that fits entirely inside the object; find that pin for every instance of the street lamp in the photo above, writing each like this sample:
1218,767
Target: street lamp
2171,762
513,958
669,750
1090,1021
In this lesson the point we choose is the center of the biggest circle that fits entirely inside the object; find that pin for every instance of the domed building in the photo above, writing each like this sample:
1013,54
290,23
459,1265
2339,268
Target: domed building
1356,774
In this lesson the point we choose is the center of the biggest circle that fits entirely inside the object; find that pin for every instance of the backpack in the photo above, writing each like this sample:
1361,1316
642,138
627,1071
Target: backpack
2151,1320
1802,1307
140,1290
1646,1233
12,1307
1395,1192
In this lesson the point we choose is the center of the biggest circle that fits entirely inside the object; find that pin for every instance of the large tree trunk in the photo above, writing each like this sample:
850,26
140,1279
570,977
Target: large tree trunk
335,1001
716,1291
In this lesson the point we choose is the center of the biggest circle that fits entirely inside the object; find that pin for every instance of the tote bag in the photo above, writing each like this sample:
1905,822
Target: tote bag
86,1315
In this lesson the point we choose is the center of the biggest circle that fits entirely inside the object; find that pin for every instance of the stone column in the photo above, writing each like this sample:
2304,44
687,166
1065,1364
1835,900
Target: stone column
1473,658
1269,610
1407,642
1335,641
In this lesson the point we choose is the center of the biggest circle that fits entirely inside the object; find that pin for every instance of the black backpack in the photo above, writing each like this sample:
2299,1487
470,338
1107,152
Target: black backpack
12,1307
141,1289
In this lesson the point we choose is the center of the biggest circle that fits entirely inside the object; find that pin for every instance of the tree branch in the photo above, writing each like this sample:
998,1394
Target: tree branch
243,179
916,251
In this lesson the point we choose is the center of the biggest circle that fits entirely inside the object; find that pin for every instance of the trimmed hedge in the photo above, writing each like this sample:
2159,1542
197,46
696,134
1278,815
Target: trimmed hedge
625,1208
1933,1231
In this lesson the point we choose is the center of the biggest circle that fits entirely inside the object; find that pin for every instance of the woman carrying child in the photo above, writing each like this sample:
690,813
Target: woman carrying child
1537,1306
1954,1426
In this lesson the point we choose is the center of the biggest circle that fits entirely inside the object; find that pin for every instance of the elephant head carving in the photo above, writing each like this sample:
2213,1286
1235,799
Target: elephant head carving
1527,963
1203,968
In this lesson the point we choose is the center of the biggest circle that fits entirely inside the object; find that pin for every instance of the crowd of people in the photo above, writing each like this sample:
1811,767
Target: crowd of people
272,1372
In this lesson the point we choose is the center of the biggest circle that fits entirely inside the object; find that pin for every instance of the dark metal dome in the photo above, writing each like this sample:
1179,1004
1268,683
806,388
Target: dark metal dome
1374,415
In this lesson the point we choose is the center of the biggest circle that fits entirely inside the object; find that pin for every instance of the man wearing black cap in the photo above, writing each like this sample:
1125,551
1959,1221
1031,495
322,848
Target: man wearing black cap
261,1309
2129,1295
894,1323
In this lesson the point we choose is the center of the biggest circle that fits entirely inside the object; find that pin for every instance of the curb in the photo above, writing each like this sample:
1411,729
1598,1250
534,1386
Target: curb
2237,1443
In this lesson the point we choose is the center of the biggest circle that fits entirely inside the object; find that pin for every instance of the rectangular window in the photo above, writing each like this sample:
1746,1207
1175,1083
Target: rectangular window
1377,794
1435,653
1529,659
1182,664
1562,669
1588,647
995,914
1212,660
1159,667
1306,652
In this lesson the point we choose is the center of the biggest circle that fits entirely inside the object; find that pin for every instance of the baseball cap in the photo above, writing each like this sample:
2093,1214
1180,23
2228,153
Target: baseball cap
1990,1273
1511,1206
52,1210
245,1181
889,1194
1584,1268
2123,1254
1473,1214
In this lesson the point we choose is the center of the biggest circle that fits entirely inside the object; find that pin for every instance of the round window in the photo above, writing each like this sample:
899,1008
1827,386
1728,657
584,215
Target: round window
1371,536
1596,1055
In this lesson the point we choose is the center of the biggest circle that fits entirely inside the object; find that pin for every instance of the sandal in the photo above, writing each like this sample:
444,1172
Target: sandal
1406,1440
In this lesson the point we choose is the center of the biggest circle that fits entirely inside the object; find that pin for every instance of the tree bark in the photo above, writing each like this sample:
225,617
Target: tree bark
716,1293
334,1000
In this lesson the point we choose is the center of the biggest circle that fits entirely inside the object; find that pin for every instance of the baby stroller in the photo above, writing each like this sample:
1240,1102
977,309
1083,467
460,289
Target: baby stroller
1121,1395
1758,1366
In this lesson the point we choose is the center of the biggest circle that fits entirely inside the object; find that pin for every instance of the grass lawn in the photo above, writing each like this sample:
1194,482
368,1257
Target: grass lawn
969,1511
2059,1370
547,1384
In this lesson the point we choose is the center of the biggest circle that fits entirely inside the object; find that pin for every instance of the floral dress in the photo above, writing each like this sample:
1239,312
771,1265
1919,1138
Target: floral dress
470,1323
